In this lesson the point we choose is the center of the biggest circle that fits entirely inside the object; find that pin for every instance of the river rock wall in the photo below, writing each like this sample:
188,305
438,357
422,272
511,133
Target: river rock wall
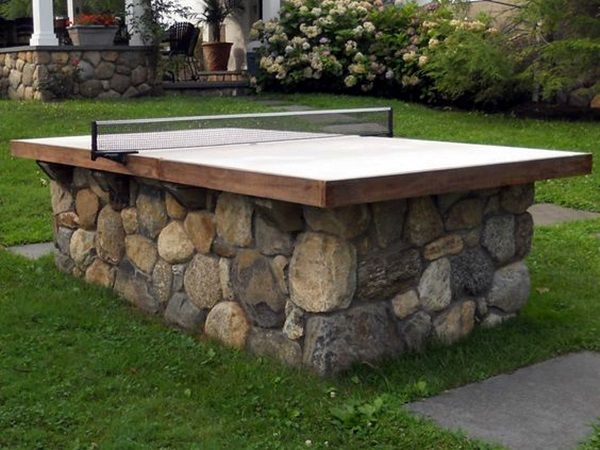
66,72
320,288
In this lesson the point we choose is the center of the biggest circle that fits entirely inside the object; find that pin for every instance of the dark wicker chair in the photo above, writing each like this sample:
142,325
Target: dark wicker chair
24,30
183,37
6,31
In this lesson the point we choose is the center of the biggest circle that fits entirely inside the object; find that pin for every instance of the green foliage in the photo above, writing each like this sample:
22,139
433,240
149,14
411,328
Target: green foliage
13,9
357,416
156,19
474,66
115,7
565,64
551,20
563,45
216,11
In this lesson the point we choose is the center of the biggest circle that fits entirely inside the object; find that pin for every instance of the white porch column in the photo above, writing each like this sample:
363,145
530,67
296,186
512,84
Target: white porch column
135,10
270,9
71,11
43,23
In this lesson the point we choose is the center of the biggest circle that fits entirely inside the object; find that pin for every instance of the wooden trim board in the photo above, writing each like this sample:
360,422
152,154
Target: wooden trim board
313,192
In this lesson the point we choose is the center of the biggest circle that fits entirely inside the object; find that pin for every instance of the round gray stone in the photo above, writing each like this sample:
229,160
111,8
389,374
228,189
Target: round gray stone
516,199
423,222
472,272
322,274
435,289
151,212
346,222
110,240
174,245
256,287
201,281
415,331
233,217
510,288
498,237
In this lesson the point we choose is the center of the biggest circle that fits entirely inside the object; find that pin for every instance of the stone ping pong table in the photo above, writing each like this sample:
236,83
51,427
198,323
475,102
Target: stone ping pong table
321,252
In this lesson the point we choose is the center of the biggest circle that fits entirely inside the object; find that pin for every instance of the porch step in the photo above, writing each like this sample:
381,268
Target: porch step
211,83
225,84
222,76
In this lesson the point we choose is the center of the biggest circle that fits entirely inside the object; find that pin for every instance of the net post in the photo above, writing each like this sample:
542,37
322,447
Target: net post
390,118
94,140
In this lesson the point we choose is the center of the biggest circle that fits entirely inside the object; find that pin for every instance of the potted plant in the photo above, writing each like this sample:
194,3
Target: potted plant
94,29
215,52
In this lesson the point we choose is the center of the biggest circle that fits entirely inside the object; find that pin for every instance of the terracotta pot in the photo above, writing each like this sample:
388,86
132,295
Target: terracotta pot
98,35
216,55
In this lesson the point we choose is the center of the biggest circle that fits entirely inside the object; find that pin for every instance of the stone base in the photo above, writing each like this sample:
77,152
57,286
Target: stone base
318,288
46,73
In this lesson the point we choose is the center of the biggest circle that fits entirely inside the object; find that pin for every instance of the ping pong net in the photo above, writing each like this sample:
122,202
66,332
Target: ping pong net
114,139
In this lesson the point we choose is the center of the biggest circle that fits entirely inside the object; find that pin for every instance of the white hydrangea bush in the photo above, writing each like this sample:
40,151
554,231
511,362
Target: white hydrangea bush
356,45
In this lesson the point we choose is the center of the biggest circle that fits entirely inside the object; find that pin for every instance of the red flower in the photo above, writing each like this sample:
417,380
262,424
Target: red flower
96,19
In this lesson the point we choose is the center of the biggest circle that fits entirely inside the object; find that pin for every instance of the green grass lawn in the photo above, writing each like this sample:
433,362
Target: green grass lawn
79,369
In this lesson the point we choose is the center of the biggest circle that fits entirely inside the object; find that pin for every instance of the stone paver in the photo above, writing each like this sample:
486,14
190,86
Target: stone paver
33,251
546,406
549,214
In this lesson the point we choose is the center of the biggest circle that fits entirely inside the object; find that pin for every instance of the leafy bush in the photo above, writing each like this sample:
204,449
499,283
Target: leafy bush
475,67
562,50
564,65
13,9
369,46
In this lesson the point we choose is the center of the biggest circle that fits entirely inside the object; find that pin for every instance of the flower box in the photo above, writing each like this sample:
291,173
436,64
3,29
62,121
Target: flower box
98,35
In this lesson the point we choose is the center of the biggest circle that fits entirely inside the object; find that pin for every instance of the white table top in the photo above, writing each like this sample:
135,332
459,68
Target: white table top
326,172
336,158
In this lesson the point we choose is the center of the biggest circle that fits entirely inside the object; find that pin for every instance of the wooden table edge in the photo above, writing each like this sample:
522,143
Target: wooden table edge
376,189
320,193
276,187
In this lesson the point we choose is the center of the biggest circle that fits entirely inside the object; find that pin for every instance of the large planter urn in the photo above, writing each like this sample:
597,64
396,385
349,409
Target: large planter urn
216,55
98,35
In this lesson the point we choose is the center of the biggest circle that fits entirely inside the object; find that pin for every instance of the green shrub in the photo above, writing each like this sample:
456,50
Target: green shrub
473,66
564,65
562,51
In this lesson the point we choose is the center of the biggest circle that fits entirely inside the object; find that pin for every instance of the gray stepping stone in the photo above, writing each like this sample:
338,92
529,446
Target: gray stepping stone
268,102
296,108
546,406
33,251
549,214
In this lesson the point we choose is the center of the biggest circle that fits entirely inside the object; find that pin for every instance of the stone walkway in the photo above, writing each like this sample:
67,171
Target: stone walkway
33,251
547,406
549,214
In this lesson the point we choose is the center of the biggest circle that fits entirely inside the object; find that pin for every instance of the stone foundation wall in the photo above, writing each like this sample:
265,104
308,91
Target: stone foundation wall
110,73
313,287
